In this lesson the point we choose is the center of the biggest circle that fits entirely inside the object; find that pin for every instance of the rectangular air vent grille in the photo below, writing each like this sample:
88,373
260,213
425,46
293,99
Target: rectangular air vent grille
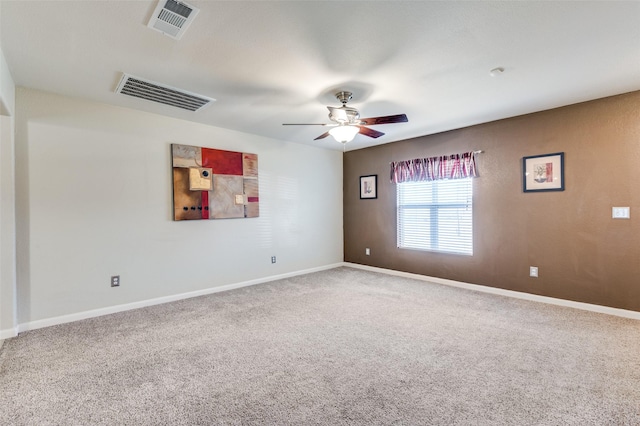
156,92
172,17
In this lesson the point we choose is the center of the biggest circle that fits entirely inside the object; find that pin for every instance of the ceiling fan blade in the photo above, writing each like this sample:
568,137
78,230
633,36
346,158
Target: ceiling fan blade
387,119
370,132
322,136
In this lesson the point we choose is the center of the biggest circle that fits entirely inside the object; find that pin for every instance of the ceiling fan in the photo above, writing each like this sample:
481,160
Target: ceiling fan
347,122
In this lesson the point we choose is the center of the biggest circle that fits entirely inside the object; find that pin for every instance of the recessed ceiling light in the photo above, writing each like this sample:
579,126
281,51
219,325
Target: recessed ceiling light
496,71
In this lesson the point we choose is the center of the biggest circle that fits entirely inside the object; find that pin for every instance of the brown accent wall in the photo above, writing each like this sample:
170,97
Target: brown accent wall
581,252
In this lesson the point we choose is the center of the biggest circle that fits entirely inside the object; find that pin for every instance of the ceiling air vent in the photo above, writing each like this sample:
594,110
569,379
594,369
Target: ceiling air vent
172,18
156,92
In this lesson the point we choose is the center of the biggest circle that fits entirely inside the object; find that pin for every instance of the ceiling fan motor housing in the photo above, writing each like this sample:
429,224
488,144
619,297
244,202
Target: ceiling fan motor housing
344,115
344,97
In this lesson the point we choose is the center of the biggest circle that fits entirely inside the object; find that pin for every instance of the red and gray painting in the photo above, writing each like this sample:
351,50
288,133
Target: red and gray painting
214,184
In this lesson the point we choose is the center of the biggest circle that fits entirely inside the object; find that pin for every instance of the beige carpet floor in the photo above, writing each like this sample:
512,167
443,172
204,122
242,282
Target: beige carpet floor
339,347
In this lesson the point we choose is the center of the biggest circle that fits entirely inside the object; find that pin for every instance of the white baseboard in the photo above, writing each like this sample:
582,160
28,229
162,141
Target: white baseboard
502,292
33,325
7,333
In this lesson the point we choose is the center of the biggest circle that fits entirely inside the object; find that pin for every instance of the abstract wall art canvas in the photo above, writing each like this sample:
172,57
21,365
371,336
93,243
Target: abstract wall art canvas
214,184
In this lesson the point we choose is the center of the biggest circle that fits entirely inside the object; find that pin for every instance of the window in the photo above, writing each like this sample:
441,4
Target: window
436,215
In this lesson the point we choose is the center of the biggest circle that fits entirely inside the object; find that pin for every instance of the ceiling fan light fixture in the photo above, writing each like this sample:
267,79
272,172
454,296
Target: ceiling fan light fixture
344,134
346,122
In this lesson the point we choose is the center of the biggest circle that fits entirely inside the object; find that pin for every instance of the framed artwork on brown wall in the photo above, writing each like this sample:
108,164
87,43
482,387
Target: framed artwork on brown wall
543,172
368,187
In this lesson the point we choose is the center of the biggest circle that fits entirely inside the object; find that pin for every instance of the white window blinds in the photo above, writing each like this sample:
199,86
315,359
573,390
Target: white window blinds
436,215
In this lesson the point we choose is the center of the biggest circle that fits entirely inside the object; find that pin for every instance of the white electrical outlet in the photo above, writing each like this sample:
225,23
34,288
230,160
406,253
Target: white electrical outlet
115,281
367,251
533,271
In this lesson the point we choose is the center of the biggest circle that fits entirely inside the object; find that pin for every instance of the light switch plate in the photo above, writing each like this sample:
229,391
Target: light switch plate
621,212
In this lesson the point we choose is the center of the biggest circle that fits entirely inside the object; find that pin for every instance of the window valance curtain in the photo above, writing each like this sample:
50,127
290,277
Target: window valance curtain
456,166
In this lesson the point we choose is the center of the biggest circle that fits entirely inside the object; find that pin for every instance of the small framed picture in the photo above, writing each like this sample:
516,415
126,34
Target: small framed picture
368,187
543,172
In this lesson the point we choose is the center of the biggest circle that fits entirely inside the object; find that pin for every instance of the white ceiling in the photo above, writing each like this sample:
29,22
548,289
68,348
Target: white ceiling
274,62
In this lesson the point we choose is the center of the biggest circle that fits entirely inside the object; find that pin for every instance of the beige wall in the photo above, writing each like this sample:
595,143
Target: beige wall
93,199
581,252
7,206
7,230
